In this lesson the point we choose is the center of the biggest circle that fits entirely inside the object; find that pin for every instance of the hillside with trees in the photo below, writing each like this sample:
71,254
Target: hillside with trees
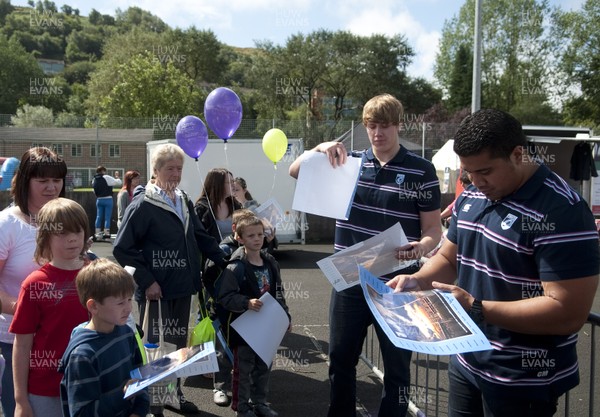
539,63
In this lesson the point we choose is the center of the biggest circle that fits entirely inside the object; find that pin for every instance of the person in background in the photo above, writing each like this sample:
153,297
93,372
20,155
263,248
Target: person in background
250,273
394,186
132,180
103,189
103,351
162,238
216,203
48,308
521,257
462,182
242,195
39,178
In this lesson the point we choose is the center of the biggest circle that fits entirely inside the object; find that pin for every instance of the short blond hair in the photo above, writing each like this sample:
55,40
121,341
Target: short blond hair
165,153
384,108
101,279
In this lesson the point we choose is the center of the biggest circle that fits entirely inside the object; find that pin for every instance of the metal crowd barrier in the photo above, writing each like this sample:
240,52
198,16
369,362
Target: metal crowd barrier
429,377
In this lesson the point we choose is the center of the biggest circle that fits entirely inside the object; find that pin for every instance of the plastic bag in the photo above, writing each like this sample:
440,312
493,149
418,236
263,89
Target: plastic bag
203,332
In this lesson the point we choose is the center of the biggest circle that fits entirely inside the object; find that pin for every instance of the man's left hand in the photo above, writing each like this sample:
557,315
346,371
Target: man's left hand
463,297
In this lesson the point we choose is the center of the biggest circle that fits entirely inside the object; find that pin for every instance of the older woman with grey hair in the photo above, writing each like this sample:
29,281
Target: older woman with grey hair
162,238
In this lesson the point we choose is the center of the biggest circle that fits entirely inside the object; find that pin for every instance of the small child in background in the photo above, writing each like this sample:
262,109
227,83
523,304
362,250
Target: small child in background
249,274
102,352
48,308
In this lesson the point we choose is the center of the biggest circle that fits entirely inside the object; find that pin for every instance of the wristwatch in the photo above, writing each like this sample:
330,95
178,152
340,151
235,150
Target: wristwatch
476,312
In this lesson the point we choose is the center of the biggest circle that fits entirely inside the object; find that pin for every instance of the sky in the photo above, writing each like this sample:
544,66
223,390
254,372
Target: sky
242,22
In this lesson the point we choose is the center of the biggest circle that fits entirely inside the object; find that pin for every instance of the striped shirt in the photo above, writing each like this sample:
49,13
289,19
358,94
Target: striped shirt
386,195
505,249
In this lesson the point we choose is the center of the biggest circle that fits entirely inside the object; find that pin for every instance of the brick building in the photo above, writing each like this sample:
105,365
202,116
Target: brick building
83,149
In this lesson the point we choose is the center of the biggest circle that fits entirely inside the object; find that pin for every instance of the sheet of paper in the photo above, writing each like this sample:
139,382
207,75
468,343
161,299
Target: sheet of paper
263,330
377,254
430,322
324,190
195,360
272,211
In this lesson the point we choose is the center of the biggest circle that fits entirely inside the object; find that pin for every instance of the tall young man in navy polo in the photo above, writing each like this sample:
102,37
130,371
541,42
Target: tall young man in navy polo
394,186
524,248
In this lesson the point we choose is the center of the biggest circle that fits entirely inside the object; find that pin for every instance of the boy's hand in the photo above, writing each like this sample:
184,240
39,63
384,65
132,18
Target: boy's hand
254,304
128,383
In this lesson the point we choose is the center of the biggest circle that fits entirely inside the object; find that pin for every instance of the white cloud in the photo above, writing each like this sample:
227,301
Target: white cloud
424,43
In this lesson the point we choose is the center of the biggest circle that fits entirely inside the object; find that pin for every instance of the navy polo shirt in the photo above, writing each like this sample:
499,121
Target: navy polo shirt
505,249
386,195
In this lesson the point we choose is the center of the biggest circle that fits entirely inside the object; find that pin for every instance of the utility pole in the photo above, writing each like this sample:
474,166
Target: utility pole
476,90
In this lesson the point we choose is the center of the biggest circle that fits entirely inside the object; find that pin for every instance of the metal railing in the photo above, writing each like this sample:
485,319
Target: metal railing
429,379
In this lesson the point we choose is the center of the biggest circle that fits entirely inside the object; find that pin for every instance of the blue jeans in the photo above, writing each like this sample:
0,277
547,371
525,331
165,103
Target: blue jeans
467,400
8,391
349,318
103,212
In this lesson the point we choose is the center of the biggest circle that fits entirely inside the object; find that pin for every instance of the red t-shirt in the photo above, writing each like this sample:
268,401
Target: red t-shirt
49,307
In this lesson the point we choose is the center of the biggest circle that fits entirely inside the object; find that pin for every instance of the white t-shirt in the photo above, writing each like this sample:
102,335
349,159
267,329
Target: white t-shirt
17,246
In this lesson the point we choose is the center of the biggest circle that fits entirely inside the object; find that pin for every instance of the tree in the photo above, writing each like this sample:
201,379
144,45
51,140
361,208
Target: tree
5,9
144,87
518,57
33,116
195,52
142,19
84,45
461,81
384,67
118,50
581,64
17,69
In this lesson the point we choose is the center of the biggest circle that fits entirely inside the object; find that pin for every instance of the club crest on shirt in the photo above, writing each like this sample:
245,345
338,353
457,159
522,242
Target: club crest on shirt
400,178
508,221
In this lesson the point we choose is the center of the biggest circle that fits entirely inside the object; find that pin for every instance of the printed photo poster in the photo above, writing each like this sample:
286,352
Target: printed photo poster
271,211
431,322
377,254
188,361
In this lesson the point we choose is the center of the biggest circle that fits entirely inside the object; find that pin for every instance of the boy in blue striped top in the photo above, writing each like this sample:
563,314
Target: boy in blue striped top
102,352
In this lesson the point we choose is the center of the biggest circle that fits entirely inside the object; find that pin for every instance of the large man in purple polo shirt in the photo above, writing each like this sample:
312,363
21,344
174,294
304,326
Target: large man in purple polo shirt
394,186
524,248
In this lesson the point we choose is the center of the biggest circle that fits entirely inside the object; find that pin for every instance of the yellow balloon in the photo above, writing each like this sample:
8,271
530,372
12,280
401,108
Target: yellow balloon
274,144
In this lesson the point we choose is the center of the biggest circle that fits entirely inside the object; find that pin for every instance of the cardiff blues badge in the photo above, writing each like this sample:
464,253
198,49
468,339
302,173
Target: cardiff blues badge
508,221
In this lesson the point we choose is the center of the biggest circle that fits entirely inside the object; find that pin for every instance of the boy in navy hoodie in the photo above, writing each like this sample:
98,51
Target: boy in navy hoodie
103,351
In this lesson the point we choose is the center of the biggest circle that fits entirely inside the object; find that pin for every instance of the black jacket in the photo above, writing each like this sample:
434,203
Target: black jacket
237,285
162,247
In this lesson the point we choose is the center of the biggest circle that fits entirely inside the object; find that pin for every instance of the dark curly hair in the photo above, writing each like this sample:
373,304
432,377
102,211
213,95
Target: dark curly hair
489,130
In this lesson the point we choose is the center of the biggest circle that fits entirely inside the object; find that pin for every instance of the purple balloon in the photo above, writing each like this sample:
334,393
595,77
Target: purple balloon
192,136
223,112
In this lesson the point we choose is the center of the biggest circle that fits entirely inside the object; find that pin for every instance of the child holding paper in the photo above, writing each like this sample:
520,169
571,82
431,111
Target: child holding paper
102,352
249,274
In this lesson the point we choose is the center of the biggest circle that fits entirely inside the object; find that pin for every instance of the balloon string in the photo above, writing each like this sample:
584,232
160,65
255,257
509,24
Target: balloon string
274,177
226,156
